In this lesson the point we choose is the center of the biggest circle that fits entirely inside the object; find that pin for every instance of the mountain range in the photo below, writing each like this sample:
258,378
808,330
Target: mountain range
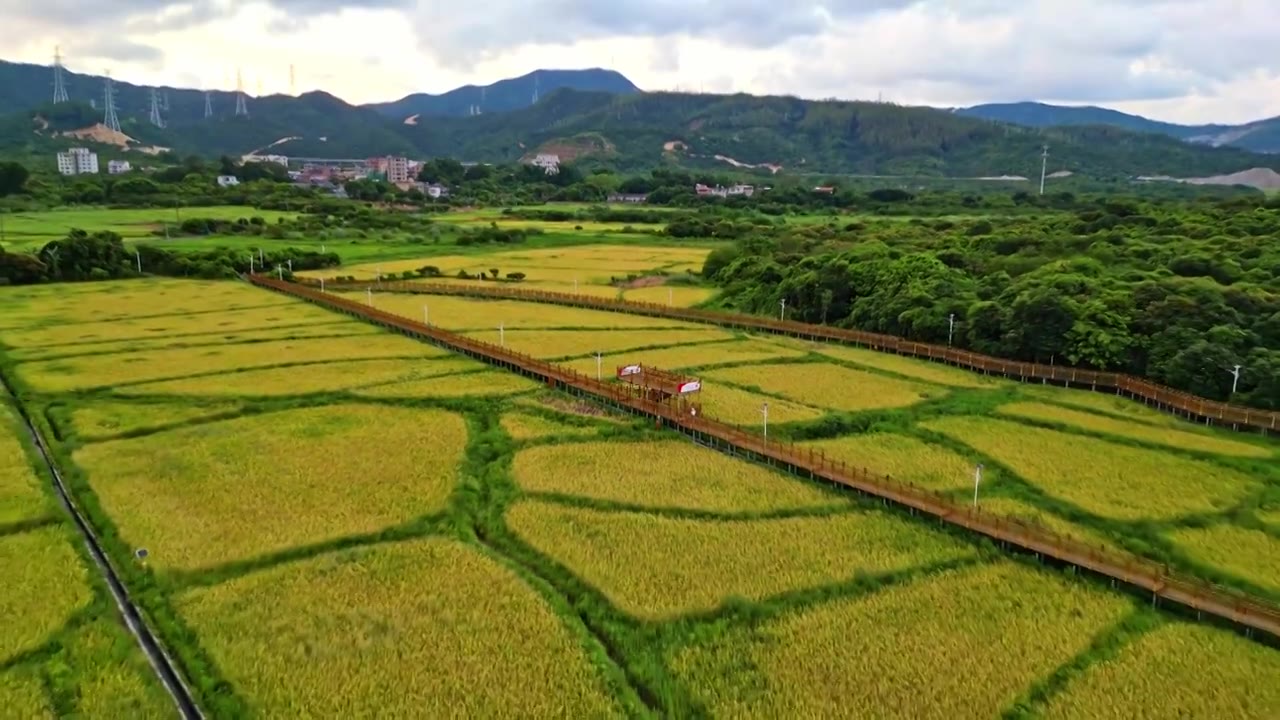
601,117
1259,136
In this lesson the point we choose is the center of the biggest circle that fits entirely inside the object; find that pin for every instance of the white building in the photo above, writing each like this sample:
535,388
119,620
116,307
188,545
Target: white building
549,163
228,181
724,192
118,167
78,161
435,191
277,159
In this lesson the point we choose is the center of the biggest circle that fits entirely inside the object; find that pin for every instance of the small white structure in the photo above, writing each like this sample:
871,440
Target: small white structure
118,167
549,163
435,191
724,192
78,161
228,181
277,159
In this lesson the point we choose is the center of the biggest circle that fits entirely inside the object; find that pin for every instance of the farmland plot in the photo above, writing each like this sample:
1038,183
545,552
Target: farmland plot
829,386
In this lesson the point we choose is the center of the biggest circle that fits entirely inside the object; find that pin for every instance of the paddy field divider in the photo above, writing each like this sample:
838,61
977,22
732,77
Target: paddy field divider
1250,613
1161,397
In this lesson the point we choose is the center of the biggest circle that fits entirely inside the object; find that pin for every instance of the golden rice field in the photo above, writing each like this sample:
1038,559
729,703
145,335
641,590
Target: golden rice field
99,302
1177,670
115,680
963,644
98,419
527,426
110,336
425,628
1027,513
1251,555
22,695
586,262
150,365
551,344
1100,477
306,379
1197,441
657,567
828,386
741,350
340,328
662,474
736,406
915,369
461,314
674,295
20,495
902,458
1115,405
489,383
44,583
238,489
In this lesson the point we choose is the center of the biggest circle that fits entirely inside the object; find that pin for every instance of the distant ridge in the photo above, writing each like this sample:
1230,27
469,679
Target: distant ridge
1260,136
505,95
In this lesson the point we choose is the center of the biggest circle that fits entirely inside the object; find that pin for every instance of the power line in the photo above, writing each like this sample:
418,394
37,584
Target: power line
59,85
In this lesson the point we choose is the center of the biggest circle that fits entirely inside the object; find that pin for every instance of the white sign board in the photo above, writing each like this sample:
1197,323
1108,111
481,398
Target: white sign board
691,386
629,370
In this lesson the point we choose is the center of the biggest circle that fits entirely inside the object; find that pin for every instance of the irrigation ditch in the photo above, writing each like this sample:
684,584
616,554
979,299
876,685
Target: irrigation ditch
1253,615
134,620
1163,398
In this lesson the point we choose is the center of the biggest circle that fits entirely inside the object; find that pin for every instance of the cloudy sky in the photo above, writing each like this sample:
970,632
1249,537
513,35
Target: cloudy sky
1179,60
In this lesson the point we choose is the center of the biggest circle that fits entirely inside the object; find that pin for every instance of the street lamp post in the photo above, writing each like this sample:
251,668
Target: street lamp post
764,410
951,328
599,366
426,316
977,480
1235,377
783,316
369,294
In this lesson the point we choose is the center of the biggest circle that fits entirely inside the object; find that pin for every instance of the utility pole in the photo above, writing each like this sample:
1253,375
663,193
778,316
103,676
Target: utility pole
138,256
1044,167
502,338
426,316
951,328
369,291
1235,378
321,286
599,366
280,271
250,263
977,478
764,410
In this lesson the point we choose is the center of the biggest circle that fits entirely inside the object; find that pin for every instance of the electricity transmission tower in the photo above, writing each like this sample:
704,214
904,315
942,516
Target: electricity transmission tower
1044,167
535,89
109,101
242,108
156,119
59,84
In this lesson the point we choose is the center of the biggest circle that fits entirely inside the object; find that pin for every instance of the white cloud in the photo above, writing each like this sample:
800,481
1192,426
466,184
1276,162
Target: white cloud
1181,60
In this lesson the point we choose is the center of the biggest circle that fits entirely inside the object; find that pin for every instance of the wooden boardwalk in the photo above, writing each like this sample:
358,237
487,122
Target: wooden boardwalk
1251,613
1164,398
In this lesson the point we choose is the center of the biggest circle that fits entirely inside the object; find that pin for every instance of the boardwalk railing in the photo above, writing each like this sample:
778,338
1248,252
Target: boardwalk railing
1163,397
1252,613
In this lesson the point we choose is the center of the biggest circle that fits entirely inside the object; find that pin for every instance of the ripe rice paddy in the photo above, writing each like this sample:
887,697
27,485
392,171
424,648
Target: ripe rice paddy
657,567
961,644
20,495
1031,515
551,344
676,295
200,497
903,458
1177,670
829,386
330,529
419,628
115,679
44,583
662,474
1252,555
1183,439
22,695
1100,477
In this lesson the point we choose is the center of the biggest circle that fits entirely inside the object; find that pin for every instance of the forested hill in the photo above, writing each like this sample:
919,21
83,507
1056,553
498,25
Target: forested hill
628,131
820,137
505,95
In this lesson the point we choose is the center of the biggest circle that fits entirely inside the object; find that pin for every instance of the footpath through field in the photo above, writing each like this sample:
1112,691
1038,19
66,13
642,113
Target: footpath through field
1165,398
1249,612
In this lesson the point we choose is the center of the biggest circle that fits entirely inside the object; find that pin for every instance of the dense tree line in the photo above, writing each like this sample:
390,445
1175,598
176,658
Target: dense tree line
83,256
1177,293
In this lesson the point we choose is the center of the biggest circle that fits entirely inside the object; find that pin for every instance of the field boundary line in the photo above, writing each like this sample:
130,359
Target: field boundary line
1164,398
1248,611
157,656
